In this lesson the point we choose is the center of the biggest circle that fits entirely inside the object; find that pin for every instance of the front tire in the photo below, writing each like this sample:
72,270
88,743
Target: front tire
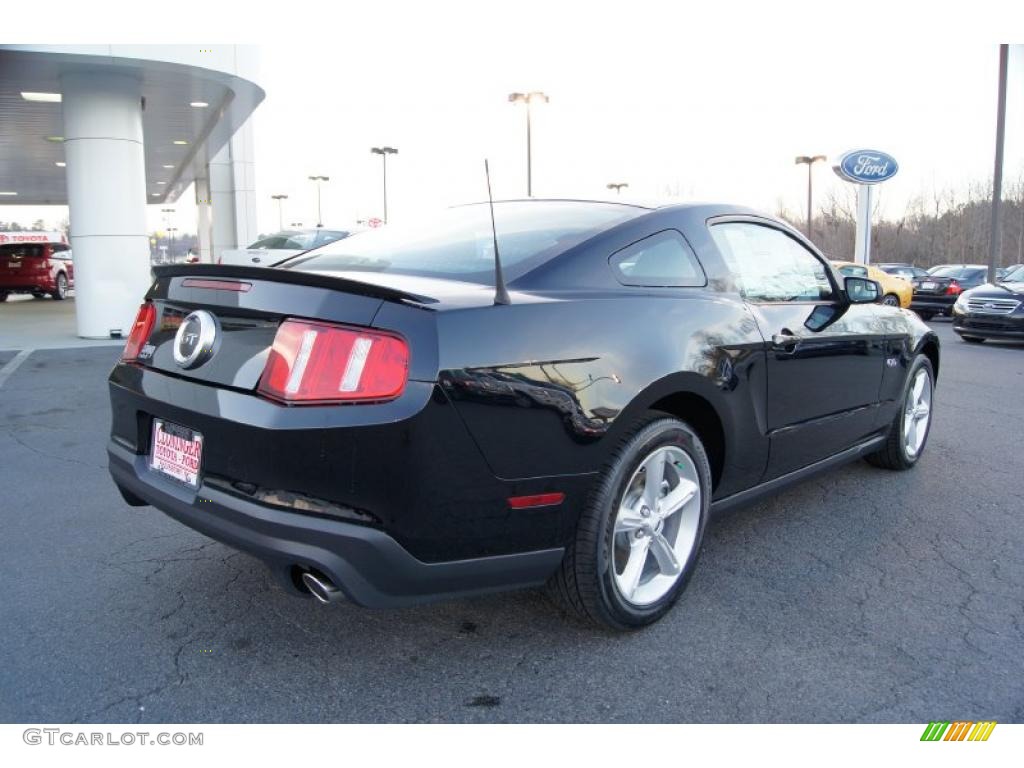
910,428
639,535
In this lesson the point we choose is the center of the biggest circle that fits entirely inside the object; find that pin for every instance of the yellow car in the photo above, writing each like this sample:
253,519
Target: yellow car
896,292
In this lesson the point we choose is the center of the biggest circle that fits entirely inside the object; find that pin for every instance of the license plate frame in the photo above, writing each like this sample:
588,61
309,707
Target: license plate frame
176,453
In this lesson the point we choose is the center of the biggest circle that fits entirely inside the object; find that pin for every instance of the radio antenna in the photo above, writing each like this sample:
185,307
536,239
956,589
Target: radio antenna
500,292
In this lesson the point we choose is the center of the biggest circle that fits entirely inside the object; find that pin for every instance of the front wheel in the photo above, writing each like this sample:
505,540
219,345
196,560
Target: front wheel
909,430
638,537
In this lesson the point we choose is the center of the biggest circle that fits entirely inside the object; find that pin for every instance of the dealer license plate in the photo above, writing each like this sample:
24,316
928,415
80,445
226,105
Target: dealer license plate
177,452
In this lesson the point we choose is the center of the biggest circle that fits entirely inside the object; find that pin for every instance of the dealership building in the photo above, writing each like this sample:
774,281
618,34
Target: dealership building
110,129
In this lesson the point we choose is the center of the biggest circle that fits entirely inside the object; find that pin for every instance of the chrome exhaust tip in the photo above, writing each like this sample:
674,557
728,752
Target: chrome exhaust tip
320,588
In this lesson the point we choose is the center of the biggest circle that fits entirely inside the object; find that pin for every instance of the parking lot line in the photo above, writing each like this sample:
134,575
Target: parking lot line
13,365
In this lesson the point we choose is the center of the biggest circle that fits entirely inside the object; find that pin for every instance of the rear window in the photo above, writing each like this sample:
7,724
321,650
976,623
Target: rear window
286,240
458,243
960,273
22,250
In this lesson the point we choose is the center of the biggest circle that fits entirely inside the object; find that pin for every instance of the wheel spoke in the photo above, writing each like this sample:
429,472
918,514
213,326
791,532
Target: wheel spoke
919,387
630,578
668,564
678,497
654,474
628,520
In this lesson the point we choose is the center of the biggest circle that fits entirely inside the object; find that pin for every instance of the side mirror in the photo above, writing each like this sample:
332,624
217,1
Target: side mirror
861,290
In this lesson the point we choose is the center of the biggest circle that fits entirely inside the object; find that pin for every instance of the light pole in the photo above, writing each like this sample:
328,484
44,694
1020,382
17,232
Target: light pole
528,99
809,160
280,209
318,179
167,226
384,152
995,237
617,186
170,246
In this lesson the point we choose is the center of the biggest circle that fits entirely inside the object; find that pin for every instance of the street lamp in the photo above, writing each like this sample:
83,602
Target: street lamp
384,152
809,161
280,209
617,186
318,179
170,245
528,99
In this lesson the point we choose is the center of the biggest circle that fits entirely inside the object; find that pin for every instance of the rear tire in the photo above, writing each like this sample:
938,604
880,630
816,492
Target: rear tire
61,291
891,300
926,316
617,525
3,296
972,339
906,442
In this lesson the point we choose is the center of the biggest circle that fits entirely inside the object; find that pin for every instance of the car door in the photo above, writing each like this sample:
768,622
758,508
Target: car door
824,356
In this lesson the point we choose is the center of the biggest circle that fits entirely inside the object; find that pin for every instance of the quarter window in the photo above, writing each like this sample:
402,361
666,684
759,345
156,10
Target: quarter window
663,259
769,265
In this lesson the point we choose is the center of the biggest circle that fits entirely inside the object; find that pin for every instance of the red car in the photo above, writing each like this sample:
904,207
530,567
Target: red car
36,268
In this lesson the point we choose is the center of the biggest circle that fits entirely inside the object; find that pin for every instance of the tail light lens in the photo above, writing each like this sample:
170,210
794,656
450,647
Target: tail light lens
140,332
324,363
954,289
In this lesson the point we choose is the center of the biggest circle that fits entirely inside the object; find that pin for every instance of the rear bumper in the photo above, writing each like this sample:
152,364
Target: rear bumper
935,304
26,285
368,565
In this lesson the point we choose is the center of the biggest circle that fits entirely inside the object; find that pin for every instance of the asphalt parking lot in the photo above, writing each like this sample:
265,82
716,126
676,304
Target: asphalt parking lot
860,596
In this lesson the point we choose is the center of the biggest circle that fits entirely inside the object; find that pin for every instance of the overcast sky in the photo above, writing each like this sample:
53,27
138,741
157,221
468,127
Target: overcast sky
660,106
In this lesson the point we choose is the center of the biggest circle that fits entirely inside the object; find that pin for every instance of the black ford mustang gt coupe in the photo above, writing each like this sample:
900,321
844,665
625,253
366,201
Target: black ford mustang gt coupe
375,420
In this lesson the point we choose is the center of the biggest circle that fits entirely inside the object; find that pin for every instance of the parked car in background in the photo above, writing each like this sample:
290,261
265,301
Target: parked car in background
1001,274
896,292
936,292
377,419
42,269
992,311
906,271
281,245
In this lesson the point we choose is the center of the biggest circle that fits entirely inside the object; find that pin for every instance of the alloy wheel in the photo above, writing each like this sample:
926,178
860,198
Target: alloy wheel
917,413
656,526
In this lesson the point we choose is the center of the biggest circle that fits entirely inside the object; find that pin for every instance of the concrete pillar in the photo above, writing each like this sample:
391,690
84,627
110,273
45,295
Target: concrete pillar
233,192
106,178
204,230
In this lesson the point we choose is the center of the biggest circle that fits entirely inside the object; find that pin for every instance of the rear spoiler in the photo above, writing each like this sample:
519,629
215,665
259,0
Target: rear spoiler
295,277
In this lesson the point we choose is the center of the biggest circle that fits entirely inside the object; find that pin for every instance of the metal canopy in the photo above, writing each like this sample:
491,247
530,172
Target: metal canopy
28,158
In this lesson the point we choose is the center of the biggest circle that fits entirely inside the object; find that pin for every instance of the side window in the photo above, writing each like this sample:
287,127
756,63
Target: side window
769,265
850,270
663,259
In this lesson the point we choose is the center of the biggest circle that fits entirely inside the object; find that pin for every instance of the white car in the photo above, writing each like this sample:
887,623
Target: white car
273,248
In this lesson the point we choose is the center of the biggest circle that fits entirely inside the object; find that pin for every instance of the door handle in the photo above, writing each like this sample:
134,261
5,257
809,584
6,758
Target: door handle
785,339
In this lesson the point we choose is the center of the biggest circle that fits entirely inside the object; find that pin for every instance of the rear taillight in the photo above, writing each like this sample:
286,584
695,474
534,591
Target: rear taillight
322,363
140,332
954,289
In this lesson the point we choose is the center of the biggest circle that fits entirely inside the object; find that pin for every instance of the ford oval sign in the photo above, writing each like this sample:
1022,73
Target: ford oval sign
866,166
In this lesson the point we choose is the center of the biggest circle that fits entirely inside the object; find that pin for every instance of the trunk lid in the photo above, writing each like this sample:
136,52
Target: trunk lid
248,304
17,259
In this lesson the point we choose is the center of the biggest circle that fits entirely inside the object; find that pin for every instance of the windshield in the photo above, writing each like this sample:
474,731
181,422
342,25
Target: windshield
1014,275
458,242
